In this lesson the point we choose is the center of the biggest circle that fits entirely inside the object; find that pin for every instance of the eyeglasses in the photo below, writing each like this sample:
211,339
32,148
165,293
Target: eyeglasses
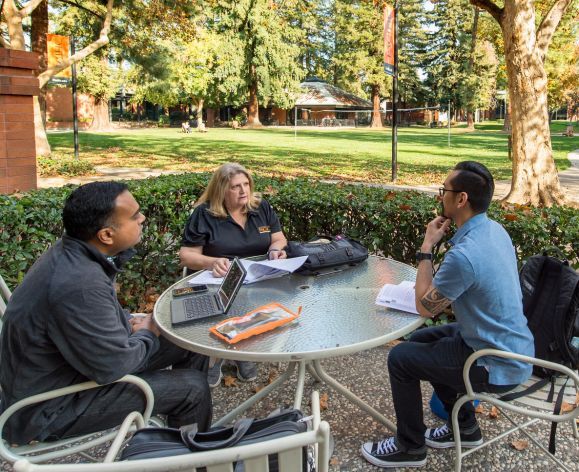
441,191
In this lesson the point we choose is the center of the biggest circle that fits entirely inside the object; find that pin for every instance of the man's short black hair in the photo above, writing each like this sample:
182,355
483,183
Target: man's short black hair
476,180
90,207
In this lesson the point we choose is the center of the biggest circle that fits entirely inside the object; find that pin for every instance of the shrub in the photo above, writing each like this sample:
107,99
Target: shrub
164,120
389,223
57,165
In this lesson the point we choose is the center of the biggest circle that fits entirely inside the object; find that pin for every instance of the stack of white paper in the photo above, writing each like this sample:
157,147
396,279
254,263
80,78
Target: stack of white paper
399,297
256,271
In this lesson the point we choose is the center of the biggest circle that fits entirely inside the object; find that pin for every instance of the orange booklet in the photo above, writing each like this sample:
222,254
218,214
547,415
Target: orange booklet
262,319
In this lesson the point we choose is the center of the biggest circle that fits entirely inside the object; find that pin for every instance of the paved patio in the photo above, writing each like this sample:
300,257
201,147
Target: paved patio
365,374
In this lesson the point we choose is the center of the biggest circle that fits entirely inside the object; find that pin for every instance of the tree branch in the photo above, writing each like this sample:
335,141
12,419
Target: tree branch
491,7
103,40
81,7
549,24
27,9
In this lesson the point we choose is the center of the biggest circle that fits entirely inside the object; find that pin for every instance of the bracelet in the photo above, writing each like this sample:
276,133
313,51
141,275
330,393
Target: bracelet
274,250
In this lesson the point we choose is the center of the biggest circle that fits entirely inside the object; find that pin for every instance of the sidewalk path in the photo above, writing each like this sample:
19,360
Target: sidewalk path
569,179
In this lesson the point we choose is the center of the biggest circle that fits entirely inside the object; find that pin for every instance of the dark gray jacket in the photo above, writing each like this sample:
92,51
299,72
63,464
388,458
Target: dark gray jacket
64,325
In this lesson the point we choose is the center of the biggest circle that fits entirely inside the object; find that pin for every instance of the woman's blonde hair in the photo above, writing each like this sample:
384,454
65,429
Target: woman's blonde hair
214,194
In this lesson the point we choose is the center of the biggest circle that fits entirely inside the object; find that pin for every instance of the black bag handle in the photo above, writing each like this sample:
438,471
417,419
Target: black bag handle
194,443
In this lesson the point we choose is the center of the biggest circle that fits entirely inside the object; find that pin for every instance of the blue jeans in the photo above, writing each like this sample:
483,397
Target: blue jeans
436,355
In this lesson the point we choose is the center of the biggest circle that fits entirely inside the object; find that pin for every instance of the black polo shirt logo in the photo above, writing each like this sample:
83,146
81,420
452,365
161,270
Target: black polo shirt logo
264,229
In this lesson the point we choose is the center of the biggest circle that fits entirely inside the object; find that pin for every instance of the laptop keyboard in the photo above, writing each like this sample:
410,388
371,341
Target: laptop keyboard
199,306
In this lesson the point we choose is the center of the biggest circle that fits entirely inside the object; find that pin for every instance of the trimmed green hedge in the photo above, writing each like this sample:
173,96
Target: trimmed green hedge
390,223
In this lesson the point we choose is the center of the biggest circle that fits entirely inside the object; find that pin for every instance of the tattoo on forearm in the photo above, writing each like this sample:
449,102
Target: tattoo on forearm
434,302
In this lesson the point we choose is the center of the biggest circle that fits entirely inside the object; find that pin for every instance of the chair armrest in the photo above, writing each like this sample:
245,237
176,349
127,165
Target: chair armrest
518,357
41,397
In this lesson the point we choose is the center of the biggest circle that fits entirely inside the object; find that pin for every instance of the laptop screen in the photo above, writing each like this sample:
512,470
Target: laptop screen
231,284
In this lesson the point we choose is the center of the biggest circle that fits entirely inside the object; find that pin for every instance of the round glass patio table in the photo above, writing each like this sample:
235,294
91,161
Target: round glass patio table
339,317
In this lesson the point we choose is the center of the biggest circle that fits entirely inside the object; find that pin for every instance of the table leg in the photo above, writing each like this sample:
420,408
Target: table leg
257,397
313,372
338,387
300,385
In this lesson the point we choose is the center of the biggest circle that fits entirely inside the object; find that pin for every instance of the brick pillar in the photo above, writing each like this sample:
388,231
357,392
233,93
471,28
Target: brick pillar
18,85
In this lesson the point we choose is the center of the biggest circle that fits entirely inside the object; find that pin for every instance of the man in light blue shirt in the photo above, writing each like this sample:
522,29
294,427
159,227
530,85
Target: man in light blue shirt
479,278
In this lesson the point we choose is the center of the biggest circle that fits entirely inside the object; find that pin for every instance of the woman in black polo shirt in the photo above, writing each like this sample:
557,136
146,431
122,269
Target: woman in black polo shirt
230,220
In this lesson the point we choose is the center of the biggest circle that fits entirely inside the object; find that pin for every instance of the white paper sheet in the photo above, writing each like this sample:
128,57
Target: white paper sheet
399,297
256,271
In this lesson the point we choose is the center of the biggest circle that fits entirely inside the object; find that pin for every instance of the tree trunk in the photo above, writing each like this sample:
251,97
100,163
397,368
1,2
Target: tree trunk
470,112
101,119
253,105
469,120
42,145
200,112
38,33
376,117
507,122
535,180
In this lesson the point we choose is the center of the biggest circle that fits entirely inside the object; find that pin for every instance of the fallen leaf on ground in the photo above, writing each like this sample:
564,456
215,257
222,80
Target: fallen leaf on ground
494,413
230,381
480,409
393,343
567,407
334,461
324,401
258,387
520,444
273,374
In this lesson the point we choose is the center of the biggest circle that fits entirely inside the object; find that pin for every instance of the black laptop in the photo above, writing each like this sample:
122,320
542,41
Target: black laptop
197,307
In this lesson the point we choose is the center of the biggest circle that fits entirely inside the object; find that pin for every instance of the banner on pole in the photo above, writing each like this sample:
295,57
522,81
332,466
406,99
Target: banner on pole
58,48
389,40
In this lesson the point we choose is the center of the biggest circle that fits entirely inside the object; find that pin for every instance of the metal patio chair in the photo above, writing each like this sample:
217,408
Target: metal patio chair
538,405
254,456
44,451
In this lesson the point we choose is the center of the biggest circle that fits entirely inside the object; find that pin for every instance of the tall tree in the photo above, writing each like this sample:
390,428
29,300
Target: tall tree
360,51
258,61
562,64
97,78
535,179
477,90
448,51
38,43
15,16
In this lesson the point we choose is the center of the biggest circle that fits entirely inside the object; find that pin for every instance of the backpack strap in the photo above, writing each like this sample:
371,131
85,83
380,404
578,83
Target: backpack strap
558,403
530,389
556,411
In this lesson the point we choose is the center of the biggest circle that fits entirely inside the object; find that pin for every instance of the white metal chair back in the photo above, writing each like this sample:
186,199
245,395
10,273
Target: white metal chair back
536,405
254,456
5,294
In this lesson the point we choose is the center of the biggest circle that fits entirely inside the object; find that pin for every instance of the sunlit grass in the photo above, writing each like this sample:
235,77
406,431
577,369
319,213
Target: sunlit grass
353,154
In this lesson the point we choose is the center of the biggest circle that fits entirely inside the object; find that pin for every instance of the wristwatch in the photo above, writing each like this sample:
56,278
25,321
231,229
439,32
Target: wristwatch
423,256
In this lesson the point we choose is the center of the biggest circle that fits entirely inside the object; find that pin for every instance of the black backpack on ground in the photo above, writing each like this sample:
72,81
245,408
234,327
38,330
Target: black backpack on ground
551,304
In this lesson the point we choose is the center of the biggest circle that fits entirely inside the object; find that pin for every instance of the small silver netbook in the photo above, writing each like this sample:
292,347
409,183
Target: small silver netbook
197,307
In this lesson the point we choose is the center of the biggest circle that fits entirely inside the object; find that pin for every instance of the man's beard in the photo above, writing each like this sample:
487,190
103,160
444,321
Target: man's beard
442,212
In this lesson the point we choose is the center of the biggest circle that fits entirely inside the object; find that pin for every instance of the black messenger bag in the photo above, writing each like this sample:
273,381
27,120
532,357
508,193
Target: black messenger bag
149,443
327,251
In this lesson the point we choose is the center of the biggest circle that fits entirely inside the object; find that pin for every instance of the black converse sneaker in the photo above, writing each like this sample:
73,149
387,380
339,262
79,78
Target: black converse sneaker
443,437
386,454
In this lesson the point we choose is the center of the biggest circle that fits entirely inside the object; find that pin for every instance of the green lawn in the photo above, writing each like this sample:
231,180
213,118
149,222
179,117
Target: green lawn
353,154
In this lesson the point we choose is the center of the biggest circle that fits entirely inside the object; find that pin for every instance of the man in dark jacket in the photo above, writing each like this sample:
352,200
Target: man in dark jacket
64,325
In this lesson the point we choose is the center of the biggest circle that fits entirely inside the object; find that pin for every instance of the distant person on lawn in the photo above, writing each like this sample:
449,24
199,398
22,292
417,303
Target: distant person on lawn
479,278
230,220
64,325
